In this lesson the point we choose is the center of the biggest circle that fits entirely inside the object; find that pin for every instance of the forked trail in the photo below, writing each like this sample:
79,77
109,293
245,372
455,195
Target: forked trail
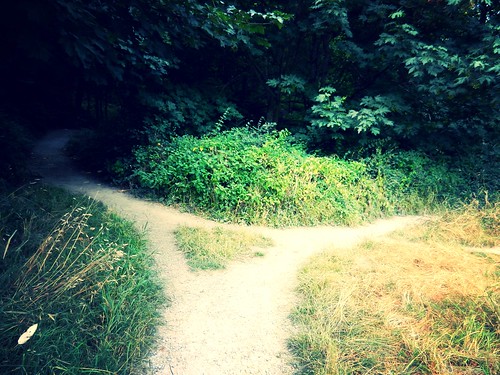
233,321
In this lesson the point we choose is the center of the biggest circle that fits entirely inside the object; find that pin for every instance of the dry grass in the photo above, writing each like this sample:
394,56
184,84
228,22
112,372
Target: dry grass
214,248
418,302
472,225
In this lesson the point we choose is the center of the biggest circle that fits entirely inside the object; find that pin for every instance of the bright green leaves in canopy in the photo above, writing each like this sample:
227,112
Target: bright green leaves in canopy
288,83
371,113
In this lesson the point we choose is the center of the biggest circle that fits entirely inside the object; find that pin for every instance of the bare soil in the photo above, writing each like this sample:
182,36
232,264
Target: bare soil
232,321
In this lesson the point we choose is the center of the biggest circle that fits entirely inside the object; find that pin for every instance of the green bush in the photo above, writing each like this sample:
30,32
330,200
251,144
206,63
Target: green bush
414,181
83,275
260,177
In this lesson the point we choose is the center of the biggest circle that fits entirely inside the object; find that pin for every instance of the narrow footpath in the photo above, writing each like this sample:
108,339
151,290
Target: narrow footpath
227,322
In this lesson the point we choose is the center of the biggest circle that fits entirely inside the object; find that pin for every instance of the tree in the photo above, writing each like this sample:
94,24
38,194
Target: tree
427,73
421,73
65,52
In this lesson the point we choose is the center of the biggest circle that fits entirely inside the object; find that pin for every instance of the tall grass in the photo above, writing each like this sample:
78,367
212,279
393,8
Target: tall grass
84,277
422,301
475,225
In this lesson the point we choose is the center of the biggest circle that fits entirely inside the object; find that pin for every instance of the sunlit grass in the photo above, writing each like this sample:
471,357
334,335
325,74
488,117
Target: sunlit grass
472,225
215,248
421,301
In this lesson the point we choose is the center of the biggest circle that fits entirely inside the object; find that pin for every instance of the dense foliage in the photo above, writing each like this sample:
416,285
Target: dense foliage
260,176
398,100
422,73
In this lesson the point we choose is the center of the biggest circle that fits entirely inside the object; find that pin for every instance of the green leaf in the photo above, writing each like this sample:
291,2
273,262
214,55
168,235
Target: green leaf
478,64
398,14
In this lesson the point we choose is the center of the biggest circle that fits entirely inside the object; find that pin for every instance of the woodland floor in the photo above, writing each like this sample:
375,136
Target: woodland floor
232,321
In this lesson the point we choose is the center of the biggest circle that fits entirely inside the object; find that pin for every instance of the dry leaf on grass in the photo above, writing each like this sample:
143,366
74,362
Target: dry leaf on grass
27,335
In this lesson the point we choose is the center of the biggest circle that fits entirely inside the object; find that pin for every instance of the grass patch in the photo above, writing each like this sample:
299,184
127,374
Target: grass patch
83,275
209,249
417,302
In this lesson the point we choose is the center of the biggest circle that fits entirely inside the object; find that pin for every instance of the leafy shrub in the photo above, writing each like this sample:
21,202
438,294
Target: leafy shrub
262,177
413,178
252,176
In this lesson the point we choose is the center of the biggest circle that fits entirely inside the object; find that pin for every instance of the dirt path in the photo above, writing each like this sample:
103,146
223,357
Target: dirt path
233,321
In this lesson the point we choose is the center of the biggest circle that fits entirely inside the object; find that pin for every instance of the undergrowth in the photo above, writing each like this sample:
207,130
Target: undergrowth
422,301
262,177
83,275
209,249
15,147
